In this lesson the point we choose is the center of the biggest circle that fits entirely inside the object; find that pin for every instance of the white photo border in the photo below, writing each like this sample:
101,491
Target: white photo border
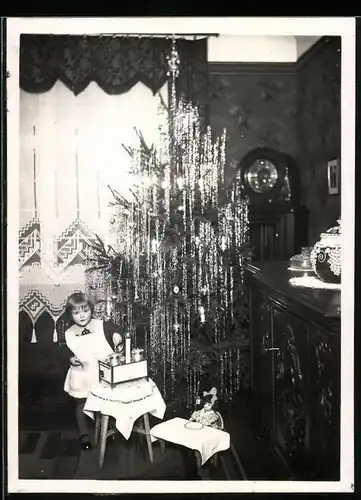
270,26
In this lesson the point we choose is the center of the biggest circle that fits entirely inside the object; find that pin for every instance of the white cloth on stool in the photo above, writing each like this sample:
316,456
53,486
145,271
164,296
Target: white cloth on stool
125,402
207,440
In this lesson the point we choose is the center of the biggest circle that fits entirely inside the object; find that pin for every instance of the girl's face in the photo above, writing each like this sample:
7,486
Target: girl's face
207,406
81,315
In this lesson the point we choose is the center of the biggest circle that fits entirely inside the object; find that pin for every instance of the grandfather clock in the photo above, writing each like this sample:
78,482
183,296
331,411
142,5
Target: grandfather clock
278,221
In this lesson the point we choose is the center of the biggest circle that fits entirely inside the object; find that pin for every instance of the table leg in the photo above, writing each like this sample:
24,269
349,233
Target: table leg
147,433
97,427
103,438
162,446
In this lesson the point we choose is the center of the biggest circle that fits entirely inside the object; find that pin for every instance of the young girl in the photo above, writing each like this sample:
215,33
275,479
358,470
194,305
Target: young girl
88,341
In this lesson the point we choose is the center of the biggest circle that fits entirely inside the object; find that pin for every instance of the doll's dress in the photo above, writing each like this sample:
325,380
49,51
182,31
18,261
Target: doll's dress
209,418
89,349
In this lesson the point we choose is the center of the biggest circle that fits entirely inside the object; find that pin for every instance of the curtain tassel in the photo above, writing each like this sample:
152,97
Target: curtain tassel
55,335
33,337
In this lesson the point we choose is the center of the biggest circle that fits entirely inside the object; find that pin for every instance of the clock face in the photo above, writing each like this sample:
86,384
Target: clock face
262,175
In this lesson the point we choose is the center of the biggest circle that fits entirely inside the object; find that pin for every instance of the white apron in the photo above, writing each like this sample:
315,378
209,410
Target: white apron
89,349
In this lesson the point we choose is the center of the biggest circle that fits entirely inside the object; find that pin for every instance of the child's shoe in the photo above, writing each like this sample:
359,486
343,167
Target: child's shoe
85,442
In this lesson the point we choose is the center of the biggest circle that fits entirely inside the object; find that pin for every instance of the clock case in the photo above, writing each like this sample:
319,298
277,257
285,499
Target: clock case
278,220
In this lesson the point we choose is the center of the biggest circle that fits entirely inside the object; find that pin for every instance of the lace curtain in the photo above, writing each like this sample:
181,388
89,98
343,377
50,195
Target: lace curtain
80,99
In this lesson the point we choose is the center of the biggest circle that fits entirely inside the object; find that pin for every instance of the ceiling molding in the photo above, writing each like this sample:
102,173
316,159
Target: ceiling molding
304,43
249,68
315,49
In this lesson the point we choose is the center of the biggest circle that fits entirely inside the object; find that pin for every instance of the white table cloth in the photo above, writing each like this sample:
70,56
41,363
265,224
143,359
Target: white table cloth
207,440
126,402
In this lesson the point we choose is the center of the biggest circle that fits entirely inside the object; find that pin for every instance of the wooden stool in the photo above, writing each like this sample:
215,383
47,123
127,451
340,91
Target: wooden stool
101,429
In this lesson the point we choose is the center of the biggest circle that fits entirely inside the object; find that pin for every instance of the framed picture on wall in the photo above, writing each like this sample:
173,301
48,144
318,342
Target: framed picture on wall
333,176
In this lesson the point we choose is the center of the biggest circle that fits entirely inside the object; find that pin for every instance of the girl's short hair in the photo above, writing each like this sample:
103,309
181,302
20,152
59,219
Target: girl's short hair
78,299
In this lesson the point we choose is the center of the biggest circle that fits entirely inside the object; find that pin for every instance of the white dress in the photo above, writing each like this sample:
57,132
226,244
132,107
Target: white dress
209,418
89,349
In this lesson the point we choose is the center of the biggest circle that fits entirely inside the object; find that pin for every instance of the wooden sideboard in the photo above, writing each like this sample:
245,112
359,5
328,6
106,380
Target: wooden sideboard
295,350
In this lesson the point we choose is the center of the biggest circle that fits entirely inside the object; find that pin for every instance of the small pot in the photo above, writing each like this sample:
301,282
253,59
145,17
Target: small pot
138,354
115,359
326,255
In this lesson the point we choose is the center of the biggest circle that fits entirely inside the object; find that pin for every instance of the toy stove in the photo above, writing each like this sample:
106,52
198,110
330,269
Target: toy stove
115,370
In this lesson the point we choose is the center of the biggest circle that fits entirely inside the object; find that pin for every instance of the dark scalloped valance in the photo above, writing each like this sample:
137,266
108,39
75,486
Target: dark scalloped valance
116,64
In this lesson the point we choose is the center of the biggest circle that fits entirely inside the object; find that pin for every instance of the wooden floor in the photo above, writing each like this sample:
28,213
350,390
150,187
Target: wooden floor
49,448
57,455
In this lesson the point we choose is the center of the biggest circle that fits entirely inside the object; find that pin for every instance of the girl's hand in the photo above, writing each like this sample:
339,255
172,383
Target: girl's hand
74,361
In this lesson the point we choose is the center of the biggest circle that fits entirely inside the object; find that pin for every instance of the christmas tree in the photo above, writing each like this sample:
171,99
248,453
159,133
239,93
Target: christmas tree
174,274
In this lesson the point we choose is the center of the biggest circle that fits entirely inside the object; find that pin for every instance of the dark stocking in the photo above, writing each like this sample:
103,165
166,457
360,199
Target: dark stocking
82,425
81,418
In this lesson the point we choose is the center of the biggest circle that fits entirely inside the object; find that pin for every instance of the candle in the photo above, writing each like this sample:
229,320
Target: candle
127,347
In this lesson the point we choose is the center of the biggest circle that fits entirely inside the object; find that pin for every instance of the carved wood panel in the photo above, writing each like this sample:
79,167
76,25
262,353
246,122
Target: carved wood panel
290,380
262,361
325,381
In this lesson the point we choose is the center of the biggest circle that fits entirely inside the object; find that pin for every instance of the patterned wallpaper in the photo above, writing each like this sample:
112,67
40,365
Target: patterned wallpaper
319,131
256,103
294,108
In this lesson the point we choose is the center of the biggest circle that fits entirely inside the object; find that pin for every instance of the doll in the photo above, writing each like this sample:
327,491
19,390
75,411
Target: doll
207,415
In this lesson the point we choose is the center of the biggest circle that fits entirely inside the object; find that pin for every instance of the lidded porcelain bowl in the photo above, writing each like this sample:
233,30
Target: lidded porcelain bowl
326,255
